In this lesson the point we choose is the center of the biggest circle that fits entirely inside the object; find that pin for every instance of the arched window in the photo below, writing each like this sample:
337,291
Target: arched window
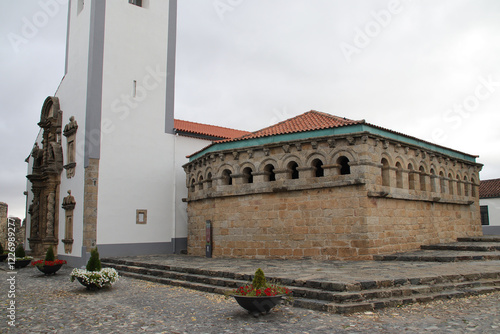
247,175
433,180
345,169
200,183
422,174
450,183
399,175
209,180
269,173
459,186
411,177
293,173
473,187
466,186
227,180
193,182
442,183
385,173
318,165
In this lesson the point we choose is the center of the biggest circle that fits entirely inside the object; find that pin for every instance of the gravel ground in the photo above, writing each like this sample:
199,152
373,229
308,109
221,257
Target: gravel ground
52,304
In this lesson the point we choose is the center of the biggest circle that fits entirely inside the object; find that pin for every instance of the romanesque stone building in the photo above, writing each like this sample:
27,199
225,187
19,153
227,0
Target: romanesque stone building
324,187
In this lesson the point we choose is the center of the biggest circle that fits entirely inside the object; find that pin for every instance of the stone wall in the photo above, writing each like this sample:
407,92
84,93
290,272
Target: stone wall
3,223
390,197
20,229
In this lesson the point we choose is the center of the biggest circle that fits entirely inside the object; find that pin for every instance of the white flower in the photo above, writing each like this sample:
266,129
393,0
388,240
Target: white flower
104,277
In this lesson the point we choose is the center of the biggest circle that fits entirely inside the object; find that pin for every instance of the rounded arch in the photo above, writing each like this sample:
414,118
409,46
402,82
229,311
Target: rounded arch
208,173
388,158
192,184
269,161
399,159
269,174
248,164
289,158
316,156
223,167
348,153
317,164
50,108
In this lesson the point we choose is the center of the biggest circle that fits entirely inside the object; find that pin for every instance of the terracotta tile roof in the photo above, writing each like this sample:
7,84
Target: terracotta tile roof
489,188
309,121
212,132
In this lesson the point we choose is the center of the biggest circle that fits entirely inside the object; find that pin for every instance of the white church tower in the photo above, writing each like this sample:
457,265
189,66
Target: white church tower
106,167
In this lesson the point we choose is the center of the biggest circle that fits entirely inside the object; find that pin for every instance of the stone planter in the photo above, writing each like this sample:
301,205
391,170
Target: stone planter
258,305
21,263
49,270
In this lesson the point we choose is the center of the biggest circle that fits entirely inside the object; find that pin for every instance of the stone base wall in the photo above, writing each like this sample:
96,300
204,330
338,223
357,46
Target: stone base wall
340,223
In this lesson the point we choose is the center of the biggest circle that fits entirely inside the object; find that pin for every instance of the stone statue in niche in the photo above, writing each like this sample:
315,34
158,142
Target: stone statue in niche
70,134
71,127
37,155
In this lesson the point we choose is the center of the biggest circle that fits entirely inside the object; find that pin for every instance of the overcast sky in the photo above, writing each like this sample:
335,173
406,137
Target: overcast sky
429,69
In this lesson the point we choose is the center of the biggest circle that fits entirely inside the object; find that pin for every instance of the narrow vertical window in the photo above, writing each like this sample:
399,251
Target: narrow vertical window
399,175
293,172
385,173
247,175
345,169
411,177
318,168
135,2
270,175
485,219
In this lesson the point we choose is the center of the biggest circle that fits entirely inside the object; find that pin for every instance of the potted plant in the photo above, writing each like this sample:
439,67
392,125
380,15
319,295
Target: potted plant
260,297
3,254
94,277
21,259
50,265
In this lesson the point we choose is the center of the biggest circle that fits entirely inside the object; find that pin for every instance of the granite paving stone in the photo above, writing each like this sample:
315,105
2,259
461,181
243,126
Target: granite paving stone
53,304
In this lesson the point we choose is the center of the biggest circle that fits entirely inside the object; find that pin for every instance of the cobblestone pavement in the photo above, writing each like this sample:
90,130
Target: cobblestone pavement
52,304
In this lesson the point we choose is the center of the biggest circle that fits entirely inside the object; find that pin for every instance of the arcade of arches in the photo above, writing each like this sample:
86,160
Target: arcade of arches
339,197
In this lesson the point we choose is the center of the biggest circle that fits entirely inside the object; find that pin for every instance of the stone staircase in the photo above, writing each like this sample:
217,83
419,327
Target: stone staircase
465,249
322,295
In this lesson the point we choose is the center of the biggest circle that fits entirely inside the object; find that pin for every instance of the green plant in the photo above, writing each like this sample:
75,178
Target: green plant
260,288
259,280
20,253
49,256
94,263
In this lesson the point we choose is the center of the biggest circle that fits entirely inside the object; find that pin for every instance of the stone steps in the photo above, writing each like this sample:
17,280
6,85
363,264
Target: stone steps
465,249
335,297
